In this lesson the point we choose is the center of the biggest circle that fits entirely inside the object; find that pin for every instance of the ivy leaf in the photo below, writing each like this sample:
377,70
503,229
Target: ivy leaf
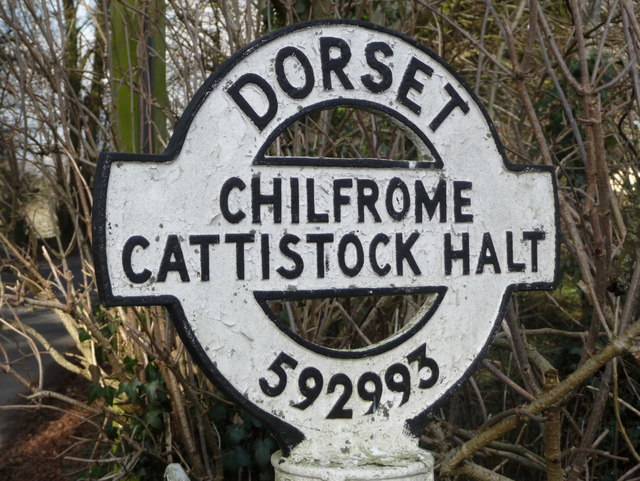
237,433
130,362
130,388
153,373
152,389
153,418
218,412
83,335
109,393
265,476
241,456
229,461
95,391
262,451
248,418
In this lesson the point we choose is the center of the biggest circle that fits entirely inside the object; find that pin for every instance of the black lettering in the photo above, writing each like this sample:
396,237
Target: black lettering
420,356
322,262
450,254
367,200
487,255
227,187
342,257
281,75
512,266
294,272
258,199
336,64
386,76
127,251
310,393
204,241
409,82
277,367
312,215
439,199
456,101
338,411
172,250
264,253
534,236
295,200
260,121
239,240
403,253
338,198
394,185
459,202
370,389
373,259
402,385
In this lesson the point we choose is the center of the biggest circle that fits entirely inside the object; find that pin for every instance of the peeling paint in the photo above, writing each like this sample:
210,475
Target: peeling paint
200,204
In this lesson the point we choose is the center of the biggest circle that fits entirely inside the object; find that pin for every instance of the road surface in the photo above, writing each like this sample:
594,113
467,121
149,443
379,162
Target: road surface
15,346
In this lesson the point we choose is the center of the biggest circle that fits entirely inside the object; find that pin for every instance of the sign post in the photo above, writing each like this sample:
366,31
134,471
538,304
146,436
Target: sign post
215,228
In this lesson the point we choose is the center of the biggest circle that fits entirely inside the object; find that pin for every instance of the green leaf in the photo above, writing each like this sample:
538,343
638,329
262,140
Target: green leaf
106,392
130,388
98,471
262,451
265,476
83,335
229,461
241,456
109,330
218,412
152,373
153,418
130,362
95,392
109,393
237,432
111,430
153,390
249,419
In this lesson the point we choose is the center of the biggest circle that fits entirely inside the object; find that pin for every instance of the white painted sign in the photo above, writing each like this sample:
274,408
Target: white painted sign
215,228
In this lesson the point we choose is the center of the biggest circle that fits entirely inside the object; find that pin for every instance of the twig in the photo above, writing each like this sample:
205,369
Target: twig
598,452
353,323
549,331
553,414
475,471
504,446
616,410
507,380
615,347
38,302
465,34
620,400
32,345
520,350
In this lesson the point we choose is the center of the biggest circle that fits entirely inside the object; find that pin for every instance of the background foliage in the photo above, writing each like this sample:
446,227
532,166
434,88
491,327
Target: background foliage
557,397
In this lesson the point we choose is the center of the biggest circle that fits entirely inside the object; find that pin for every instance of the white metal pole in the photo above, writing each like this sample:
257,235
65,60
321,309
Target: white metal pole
175,472
417,466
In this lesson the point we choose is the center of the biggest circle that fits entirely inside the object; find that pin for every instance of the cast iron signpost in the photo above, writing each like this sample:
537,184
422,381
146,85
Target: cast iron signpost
215,228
